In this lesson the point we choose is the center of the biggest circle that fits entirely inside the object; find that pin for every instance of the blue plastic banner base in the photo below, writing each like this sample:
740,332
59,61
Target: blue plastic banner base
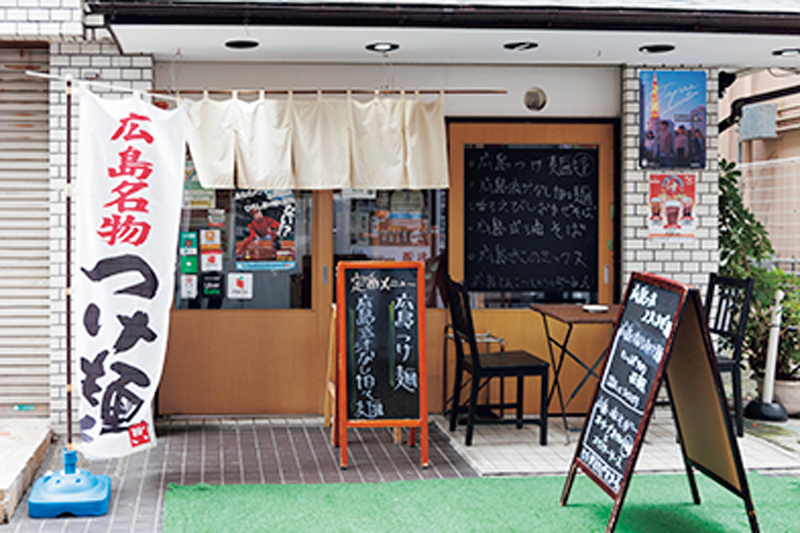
69,492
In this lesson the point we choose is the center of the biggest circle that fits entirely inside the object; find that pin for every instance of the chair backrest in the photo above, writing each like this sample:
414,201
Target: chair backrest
461,320
727,308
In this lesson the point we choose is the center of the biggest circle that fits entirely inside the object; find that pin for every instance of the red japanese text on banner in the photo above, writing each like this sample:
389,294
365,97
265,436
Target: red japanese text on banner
130,173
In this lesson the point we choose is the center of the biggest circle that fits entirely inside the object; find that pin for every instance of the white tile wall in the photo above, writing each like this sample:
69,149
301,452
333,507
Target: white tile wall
685,262
28,19
87,60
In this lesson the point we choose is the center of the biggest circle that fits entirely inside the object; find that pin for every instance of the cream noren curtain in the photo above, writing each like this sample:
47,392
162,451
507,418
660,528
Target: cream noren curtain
385,143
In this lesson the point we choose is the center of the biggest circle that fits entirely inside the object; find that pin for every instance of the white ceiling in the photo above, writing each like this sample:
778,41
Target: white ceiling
453,46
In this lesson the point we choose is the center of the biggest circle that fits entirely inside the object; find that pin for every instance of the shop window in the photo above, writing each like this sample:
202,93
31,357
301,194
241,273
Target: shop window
396,225
243,249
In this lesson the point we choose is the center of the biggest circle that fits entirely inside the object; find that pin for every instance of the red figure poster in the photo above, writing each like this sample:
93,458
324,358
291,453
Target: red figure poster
672,199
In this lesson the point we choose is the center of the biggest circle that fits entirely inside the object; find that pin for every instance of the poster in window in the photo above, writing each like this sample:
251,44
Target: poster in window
672,199
211,261
240,286
265,230
188,243
672,119
194,195
188,286
210,239
189,264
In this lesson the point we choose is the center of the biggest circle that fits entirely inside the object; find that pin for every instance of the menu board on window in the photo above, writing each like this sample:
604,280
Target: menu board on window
531,218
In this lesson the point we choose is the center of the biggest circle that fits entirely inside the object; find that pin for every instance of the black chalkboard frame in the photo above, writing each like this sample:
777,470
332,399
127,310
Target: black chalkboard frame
690,330
523,218
657,283
415,421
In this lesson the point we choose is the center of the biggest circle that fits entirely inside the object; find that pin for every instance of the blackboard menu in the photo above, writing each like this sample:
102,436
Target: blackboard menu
625,390
531,218
382,334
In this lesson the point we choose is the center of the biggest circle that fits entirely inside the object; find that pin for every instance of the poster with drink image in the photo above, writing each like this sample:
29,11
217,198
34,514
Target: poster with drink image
672,199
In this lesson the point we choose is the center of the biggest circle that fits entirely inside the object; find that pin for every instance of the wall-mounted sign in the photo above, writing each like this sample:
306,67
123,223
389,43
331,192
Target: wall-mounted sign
531,215
672,119
672,198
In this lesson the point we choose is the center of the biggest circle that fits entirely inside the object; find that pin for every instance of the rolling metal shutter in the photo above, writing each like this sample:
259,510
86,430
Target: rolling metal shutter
24,233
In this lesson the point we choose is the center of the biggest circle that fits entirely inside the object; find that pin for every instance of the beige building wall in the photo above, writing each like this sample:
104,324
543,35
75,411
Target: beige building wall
770,167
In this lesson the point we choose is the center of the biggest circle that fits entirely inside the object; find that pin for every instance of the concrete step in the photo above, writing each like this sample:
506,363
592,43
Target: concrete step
23,445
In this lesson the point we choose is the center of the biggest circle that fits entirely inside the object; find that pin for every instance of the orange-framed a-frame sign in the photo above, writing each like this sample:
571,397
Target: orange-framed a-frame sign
381,374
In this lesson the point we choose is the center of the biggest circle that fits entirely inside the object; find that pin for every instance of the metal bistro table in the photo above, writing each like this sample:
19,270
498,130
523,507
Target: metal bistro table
570,315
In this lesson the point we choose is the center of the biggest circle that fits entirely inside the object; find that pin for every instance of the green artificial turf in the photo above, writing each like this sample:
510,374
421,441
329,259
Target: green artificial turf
654,504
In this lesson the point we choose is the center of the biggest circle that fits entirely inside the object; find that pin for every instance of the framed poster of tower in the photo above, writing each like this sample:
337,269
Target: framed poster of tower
672,119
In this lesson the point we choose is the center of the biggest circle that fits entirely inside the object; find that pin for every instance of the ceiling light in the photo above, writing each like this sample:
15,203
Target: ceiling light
656,48
241,44
382,47
520,46
787,52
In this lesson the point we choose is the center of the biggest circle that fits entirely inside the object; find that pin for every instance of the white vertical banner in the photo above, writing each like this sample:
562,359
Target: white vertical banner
128,194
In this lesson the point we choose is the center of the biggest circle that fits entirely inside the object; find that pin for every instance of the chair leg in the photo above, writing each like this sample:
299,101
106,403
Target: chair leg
520,396
456,405
473,406
543,411
736,375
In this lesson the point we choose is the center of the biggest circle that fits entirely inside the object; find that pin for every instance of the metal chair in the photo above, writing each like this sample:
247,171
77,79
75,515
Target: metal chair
483,367
727,307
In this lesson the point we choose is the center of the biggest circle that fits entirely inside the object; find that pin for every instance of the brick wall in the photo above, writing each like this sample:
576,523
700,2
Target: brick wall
22,19
689,262
101,62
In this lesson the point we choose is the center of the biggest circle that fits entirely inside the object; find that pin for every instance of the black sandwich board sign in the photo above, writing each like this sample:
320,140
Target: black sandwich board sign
660,335
381,365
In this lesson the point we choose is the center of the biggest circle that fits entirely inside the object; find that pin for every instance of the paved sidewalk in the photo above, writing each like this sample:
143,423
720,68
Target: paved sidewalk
239,451
502,450
298,450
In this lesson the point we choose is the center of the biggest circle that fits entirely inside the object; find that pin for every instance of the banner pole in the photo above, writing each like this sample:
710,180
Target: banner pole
68,222
71,490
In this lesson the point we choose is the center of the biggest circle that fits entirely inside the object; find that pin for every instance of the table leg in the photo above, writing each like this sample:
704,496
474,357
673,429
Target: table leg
591,372
556,386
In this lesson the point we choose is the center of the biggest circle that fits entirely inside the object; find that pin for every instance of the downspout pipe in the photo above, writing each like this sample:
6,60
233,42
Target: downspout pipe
739,103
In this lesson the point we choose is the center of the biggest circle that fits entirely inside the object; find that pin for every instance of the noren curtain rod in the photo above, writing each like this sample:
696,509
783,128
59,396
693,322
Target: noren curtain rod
176,96
335,91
